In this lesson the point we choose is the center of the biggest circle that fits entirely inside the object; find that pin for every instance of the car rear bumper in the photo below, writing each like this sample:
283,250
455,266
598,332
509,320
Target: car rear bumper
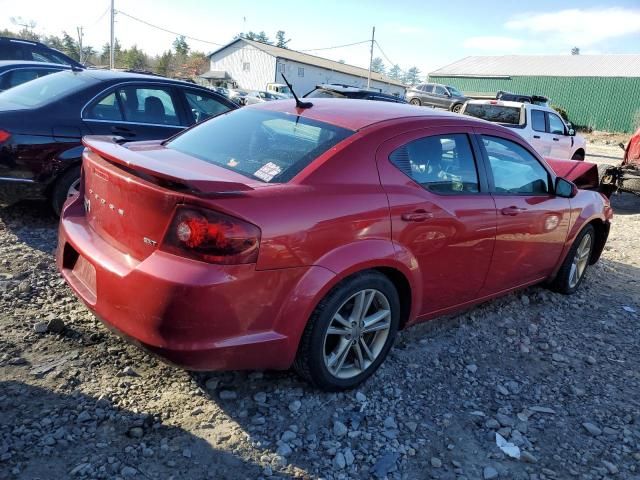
194,315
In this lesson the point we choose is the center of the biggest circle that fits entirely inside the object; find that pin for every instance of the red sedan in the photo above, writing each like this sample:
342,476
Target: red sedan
276,235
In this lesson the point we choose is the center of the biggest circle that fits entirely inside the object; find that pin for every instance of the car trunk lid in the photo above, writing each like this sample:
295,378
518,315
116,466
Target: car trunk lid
131,191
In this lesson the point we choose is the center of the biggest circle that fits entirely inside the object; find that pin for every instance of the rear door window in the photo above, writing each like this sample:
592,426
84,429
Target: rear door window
537,121
151,105
268,146
442,164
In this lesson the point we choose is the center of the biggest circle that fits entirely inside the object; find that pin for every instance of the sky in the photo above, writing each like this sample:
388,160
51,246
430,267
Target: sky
427,34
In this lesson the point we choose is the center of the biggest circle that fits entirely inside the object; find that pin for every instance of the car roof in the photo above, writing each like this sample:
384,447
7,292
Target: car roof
355,114
110,75
31,63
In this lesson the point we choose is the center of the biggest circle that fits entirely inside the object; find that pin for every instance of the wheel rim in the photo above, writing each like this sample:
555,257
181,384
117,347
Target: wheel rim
457,108
74,188
357,333
415,102
580,261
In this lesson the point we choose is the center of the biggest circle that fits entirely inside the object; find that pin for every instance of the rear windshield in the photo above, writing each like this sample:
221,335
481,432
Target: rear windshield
269,146
46,89
494,113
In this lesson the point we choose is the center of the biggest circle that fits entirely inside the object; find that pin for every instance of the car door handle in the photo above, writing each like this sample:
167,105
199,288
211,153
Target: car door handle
416,216
537,136
556,139
512,211
124,131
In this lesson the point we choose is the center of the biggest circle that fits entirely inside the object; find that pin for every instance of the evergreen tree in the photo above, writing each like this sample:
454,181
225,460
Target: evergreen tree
281,40
377,65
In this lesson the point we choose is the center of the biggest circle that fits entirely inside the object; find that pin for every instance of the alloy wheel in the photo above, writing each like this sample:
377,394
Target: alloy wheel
357,333
74,188
580,261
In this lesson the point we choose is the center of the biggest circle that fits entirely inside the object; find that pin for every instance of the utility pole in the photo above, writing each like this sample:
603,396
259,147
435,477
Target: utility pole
112,57
373,39
79,29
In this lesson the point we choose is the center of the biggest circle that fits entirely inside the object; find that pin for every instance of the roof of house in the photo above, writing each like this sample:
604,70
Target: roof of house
619,65
301,57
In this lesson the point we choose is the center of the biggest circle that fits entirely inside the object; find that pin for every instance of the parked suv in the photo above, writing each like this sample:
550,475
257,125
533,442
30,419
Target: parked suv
42,123
436,95
541,126
334,90
18,49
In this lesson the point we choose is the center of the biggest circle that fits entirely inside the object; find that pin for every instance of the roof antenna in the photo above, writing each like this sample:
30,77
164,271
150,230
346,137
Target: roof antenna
299,103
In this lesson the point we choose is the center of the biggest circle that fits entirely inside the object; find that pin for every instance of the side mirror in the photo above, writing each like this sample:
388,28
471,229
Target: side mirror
565,188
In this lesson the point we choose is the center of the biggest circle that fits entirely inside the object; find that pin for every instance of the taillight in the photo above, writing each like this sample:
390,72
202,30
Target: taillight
211,237
4,136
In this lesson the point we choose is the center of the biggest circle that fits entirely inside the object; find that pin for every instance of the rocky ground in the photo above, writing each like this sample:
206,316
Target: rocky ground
557,376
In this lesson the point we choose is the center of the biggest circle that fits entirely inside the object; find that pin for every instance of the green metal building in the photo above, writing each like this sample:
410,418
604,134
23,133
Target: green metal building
601,92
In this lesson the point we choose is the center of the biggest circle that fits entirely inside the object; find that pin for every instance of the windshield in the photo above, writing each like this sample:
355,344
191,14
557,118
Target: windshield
494,113
46,89
454,91
268,146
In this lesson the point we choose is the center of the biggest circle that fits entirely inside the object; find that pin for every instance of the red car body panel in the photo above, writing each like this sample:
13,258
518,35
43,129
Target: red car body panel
632,152
315,230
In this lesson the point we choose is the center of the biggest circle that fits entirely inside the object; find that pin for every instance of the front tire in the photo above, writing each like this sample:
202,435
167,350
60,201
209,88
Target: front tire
66,186
349,333
578,155
575,265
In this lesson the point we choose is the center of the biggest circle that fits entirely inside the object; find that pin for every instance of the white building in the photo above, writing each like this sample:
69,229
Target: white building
251,65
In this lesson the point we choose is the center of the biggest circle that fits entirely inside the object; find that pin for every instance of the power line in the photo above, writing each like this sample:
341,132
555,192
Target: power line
132,17
101,16
385,55
167,30
336,46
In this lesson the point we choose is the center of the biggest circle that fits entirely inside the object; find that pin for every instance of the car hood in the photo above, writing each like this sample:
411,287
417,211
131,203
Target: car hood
583,174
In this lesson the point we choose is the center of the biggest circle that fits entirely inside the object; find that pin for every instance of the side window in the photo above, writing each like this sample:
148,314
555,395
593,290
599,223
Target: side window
537,121
204,106
148,105
300,71
556,125
441,164
105,109
438,90
428,88
40,54
514,169
23,75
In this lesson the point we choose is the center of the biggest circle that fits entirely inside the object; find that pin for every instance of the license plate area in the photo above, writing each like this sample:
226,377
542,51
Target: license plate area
80,273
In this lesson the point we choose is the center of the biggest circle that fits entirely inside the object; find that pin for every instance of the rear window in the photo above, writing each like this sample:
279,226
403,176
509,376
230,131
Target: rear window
494,113
269,146
45,89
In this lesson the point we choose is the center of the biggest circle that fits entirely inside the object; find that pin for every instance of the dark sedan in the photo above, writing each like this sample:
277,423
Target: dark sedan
42,123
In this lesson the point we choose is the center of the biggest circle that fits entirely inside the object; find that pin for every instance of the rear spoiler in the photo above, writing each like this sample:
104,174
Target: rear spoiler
583,174
111,148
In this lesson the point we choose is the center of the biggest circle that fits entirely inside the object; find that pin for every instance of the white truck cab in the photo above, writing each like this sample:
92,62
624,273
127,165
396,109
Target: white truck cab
280,88
541,126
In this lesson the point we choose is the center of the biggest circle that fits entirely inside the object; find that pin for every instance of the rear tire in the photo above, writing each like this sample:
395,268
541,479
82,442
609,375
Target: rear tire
66,186
415,101
456,108
336,352
576,263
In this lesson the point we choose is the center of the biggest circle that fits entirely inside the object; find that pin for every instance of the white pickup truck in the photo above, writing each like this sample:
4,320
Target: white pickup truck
541,126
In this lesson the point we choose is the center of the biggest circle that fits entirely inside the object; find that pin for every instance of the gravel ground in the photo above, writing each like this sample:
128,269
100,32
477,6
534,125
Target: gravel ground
556,376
